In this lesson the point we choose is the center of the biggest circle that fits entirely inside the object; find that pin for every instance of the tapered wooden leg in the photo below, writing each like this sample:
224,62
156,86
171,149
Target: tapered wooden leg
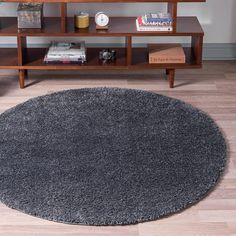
171,77
22,78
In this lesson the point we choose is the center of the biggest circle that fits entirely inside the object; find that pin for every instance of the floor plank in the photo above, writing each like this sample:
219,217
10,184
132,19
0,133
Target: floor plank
212,89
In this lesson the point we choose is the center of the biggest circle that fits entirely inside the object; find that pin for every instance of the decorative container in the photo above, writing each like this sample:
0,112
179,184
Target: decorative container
81,20
30,15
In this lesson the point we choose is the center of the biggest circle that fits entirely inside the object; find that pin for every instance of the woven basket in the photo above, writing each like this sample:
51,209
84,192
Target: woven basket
30,15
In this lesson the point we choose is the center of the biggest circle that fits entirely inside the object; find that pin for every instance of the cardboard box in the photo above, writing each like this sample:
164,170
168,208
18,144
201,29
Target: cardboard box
166,53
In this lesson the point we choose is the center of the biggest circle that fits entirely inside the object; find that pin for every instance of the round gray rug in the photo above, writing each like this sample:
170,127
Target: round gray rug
107,156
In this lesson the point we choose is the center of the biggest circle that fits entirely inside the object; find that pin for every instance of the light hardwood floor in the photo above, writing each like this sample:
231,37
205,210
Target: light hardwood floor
212,89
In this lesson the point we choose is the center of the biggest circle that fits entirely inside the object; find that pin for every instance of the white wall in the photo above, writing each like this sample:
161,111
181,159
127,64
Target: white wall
216,16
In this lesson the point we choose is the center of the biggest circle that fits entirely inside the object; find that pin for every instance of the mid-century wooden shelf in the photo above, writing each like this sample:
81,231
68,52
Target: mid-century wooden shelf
23,58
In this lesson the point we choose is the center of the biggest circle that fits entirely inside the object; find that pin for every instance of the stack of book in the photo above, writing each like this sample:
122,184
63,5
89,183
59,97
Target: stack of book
154,22
66,53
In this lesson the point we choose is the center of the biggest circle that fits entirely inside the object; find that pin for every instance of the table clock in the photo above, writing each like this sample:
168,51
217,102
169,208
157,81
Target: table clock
101,20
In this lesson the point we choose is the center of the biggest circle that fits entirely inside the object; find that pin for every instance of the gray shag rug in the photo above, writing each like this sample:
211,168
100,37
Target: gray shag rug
107,156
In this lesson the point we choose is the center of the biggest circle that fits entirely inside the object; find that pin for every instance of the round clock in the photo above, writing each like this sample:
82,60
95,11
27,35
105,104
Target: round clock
101,19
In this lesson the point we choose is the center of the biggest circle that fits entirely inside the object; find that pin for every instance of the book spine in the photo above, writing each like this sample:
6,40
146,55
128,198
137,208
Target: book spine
143,22
60,56
161,60
156,20
64,62
66,53
153,28
152,20
163,29
158,16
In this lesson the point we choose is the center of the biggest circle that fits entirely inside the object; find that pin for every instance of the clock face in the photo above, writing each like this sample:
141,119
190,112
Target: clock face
101,19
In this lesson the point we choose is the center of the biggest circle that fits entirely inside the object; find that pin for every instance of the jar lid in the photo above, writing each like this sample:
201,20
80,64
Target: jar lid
83,14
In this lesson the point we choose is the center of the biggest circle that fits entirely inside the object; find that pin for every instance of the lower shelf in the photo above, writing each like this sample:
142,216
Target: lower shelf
140,60
34,60
8,58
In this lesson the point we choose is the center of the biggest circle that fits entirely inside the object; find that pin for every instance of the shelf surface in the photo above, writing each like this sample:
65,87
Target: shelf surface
34,60
35,56
126,26
119,26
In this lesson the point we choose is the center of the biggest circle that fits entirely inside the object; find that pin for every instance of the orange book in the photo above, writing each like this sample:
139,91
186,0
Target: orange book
166,53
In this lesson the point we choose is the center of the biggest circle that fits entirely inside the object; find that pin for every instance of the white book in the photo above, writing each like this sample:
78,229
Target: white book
65,55
64,58
70,49
153,28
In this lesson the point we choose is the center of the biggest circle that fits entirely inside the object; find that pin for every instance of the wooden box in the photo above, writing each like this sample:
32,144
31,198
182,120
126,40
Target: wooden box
30,15
166,53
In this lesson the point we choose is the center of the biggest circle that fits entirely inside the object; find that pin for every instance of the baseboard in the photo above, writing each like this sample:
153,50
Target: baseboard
211,51
219,51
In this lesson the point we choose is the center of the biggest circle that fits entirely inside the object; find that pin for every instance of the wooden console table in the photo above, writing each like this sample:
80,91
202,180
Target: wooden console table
24,58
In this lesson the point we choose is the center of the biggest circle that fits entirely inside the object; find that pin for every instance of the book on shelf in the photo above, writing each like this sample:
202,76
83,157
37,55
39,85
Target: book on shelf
141,27
158,17
142,21
66,53
166,53
154,22
65,60
80,62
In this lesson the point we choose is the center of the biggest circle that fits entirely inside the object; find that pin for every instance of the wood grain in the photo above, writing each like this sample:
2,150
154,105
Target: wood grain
212,89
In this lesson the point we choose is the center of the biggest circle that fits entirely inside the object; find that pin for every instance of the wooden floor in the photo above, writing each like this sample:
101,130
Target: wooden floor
212,89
